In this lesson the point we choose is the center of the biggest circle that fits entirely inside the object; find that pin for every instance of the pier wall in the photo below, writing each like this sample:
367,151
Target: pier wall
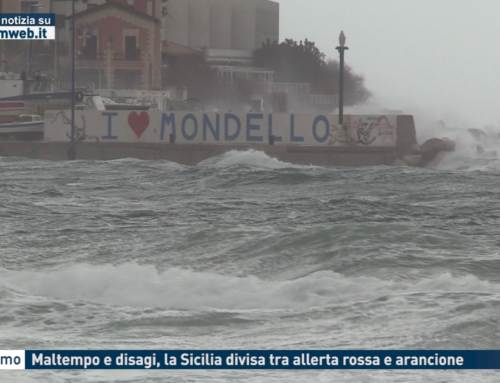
189,138
193,154
223,128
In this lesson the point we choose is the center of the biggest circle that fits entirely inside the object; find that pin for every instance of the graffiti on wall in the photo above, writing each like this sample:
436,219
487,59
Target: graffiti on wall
80,131
368,129
339,136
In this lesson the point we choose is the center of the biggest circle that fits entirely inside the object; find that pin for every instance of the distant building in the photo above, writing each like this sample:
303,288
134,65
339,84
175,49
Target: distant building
130,44
227,32
221,25
121,40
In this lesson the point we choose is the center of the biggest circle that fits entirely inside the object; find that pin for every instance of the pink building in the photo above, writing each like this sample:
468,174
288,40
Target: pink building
120,42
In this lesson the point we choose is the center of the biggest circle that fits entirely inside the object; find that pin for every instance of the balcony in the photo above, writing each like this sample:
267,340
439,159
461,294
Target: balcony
87,54
129,55
100,60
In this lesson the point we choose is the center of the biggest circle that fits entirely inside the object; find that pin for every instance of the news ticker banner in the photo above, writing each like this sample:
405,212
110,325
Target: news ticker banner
247,360
27,26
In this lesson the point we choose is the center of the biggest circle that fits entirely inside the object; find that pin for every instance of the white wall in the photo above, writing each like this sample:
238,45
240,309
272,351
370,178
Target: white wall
11,88
194,128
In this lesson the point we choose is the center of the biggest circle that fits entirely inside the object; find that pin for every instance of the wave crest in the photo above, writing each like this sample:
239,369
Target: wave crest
143,286
251,158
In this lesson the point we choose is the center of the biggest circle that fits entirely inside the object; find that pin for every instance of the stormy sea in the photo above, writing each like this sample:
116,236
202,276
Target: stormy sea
244,252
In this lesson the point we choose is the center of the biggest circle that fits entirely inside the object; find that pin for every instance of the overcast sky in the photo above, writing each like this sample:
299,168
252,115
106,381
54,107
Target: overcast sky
440,57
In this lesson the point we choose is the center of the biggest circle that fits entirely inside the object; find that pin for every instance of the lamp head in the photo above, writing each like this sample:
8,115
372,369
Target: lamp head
342,39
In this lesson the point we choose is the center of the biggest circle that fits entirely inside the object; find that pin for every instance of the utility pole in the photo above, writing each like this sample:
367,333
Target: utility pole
30,54
99,53
73,74
109,63
56,57
341,50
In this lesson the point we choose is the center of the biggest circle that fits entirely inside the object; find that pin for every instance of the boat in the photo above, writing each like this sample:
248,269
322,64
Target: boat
107,104
25,127
19,95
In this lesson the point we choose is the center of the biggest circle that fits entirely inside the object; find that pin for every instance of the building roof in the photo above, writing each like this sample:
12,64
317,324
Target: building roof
178,49
229,57
112,4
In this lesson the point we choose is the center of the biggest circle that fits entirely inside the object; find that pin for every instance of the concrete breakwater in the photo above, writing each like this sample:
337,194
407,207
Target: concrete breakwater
194,154
189,138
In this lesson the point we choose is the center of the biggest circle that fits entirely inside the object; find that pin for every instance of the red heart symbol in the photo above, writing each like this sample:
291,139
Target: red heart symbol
138,122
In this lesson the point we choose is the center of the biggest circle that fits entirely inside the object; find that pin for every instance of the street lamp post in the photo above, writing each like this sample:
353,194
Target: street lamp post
56,59
30,55
90,49
99,54
341,48
110,41
73,74
80,51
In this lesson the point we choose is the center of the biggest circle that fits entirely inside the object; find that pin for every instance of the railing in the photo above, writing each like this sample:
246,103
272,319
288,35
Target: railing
294,88
179,95
88,55
133,55
324,99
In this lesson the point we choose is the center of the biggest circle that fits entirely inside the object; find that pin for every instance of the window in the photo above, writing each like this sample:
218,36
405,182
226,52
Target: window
44,87
131,51
91,47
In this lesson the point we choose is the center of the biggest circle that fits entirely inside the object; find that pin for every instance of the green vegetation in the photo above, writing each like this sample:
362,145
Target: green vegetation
303,62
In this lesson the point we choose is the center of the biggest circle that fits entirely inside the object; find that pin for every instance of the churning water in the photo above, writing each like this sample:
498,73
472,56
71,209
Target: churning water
246,252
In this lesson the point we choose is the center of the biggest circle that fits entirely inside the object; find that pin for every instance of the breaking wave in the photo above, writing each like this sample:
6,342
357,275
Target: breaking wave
251,158
143,286
476,149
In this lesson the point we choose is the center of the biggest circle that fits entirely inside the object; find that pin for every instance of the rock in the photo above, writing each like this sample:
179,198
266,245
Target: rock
399,163
437,144
432,147
478,135
437,159
413,150
412,160
482,153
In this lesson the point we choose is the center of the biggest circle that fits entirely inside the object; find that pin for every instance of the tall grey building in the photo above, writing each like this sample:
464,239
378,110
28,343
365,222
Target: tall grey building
238,25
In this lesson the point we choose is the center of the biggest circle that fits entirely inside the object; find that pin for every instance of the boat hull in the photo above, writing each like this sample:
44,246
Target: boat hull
27,131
